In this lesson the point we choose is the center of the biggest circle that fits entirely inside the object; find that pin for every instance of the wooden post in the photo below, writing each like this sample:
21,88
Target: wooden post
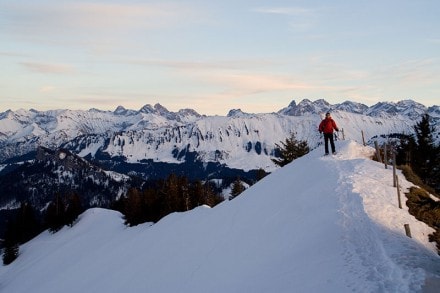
385,157
394,169
407,230
398,192
363,138
379,159
343,134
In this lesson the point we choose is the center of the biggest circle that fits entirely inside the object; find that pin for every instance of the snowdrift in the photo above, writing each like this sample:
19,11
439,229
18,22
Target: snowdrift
320,224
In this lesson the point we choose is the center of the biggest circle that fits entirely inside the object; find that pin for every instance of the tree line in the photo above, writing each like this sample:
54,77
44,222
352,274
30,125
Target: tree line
421,154
162,197
28,222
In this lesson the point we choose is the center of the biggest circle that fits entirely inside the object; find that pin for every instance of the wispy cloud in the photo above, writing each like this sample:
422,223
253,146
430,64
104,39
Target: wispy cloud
48,68
93,16
82,23
207,64
284,10
251,83
300,18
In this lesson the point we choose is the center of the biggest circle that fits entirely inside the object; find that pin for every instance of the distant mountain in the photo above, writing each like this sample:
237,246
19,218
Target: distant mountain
61,172
239,140
307,107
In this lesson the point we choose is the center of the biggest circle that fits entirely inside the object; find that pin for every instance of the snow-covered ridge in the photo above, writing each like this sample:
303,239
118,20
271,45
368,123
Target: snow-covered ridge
239,140
320,224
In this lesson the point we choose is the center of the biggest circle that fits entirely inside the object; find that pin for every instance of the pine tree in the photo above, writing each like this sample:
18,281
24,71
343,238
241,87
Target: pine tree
55,214
133,207
197,193
211,197
10,253
425,159
290,150
237,188
260,174
74,208
27,224
405,150
151,205
11,248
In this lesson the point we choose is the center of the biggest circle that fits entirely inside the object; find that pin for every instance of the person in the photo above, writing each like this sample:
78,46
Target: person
327,126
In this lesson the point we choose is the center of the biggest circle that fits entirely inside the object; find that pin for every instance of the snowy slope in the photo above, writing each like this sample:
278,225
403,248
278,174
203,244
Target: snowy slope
320,224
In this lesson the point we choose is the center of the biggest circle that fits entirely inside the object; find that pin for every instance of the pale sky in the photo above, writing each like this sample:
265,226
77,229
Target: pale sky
214,56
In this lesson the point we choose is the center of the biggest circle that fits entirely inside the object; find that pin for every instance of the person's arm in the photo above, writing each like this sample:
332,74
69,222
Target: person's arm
334,126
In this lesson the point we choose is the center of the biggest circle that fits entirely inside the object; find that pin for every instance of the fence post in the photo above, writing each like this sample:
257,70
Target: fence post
398,192
407,230
394,169
363,138
343,134
385,156
379,159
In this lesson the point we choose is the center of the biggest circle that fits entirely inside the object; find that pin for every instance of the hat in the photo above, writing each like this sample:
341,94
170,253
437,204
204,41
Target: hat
328,113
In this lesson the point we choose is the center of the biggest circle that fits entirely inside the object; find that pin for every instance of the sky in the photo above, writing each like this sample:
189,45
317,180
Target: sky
264,240
213,56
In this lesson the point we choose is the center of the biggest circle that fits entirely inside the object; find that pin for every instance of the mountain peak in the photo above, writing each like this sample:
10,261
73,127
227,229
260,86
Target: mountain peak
161,109
306,107
237,113
147,109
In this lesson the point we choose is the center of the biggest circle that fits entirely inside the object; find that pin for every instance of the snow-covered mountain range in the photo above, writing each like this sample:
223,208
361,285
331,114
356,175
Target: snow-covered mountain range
239,140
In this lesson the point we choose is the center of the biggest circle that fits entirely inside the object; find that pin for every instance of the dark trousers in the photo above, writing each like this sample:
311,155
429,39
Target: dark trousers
327,137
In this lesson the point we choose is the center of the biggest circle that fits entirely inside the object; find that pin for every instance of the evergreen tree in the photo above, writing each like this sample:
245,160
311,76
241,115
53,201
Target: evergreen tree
10,253
237,188
27,224
210,196
290,150
170,191
133,207
55,214
11,248
260,174
151,205
22,229
405,150
197,193
426,156
74,208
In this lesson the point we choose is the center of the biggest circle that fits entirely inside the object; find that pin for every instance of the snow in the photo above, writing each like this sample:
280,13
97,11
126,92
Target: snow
320,224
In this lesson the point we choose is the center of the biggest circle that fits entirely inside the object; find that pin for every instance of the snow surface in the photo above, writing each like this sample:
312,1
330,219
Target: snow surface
320,224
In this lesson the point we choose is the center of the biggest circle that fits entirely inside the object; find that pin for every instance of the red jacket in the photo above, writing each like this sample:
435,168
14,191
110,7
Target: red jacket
327,125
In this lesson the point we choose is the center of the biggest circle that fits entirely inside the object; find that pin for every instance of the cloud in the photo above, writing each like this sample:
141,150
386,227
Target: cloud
300,19
48,68
206,65
247,83
284,10
81,17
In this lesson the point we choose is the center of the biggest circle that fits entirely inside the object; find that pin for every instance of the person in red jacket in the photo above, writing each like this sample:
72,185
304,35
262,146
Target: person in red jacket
327,126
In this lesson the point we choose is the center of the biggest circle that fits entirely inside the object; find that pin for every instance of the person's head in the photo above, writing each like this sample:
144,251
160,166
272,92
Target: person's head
327,115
